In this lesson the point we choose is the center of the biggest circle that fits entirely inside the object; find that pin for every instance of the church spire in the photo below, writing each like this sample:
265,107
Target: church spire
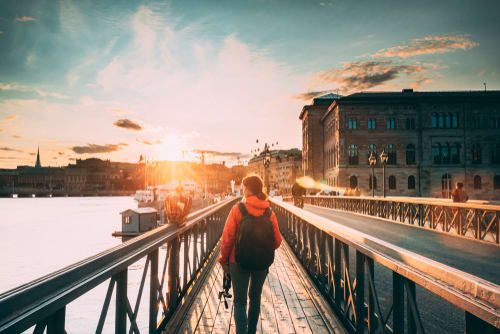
38,164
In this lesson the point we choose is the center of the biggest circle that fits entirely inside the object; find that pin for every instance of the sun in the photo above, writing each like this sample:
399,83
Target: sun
171,148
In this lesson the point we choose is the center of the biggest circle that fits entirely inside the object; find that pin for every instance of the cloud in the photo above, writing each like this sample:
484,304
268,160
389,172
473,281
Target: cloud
145,142
428,45
95,148
310,95
25,19
60,153
2,130
127,124
24,88
232,155
365,74
9,149
32,153
11,117
16,137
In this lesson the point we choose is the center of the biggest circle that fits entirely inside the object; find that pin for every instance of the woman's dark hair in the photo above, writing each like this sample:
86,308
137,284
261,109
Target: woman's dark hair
255,185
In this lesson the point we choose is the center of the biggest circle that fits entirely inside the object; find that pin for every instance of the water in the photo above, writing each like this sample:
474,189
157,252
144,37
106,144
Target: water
41,235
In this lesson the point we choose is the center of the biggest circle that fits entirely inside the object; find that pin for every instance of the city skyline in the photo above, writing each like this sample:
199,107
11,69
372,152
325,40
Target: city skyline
114,81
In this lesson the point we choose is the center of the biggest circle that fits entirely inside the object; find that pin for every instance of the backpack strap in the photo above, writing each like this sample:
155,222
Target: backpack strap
267,212
243,209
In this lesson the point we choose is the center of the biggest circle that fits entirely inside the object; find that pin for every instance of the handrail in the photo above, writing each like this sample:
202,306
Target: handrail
34,302
309,234
476,221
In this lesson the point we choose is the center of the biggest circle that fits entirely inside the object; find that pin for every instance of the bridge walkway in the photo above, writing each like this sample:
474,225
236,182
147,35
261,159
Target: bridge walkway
290,303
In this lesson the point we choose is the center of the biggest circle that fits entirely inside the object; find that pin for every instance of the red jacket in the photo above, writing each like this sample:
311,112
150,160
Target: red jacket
255,207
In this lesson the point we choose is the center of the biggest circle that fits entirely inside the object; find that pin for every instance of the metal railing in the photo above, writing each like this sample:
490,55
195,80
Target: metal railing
322,247
42,302
476,221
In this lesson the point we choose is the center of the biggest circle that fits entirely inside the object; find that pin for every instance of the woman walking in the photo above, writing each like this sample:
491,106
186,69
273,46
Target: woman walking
255,207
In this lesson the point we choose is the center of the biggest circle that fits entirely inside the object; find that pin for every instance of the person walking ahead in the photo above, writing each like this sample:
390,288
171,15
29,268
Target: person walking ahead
240,261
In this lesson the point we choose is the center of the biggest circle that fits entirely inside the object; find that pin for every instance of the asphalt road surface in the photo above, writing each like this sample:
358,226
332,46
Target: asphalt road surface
477,258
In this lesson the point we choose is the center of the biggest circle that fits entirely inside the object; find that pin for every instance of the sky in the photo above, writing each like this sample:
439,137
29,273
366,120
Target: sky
117,79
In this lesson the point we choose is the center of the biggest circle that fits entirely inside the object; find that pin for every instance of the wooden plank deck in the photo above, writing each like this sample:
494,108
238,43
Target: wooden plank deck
290,302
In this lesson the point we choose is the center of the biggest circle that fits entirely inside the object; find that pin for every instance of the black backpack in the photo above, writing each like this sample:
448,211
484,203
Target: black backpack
255,242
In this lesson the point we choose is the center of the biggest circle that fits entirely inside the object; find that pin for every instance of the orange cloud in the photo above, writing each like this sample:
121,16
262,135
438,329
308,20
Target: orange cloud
310,95
127,124
11,117
428,45
95,148
25,19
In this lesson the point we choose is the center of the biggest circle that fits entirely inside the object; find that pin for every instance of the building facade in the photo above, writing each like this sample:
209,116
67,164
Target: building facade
433,139
284,168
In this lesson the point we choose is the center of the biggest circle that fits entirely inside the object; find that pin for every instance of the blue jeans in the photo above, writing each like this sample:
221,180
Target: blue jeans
241,279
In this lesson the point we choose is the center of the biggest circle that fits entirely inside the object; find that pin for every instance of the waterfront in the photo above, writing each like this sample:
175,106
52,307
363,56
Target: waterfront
41,235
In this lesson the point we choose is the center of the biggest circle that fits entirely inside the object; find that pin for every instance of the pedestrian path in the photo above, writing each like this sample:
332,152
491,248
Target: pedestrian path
290,303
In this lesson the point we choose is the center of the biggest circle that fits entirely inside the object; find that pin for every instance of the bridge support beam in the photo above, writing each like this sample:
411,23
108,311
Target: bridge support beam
121,302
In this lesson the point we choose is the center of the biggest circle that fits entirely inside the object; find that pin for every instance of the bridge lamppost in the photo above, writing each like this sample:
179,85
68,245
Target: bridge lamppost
383,158
267,163
373,160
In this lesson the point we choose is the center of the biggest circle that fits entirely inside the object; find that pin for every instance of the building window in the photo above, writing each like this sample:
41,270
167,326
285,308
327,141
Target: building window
374,182
446,185
445,154
371,124
434,120
127,220
476,154
477,182
476,122
410,154
392,182
454,121
440,121
436,153
352,153
352,124
447,119
496,182
410,123
391,152
391,122
372,148
495,122
495,154
411,182
353,182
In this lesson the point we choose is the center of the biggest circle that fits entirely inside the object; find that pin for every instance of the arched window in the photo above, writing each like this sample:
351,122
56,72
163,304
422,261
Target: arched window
352,153
447,121
496,182
446,185
440,121
455,153
353,182
411,182
372,148
374,182
454,121
476,154
436,153
477,182
391,153
410,154
392,182
434,120
446,153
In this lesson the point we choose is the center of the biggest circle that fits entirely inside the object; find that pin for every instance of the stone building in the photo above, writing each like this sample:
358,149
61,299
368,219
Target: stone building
284,168
433,139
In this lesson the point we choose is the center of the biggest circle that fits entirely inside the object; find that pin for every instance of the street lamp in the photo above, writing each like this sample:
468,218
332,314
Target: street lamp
267,163
383,158
373,160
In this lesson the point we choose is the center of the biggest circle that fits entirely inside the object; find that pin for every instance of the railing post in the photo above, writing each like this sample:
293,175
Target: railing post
173,273
121,302
153,292
398,303
411,321
371,297
56,321
337,269
360,292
